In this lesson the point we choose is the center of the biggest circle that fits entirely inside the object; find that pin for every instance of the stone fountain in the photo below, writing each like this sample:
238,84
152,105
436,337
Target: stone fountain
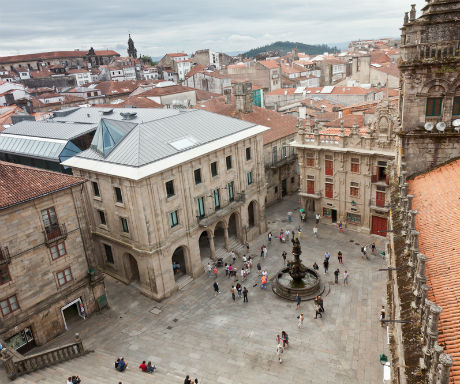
297,278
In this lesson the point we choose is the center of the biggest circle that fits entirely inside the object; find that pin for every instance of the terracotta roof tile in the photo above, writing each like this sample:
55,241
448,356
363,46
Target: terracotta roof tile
437,201
169,90
53,55
195,69
19,183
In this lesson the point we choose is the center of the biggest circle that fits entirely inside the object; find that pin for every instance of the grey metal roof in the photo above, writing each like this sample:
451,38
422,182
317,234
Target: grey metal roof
149,142
94,115
51,130
37,148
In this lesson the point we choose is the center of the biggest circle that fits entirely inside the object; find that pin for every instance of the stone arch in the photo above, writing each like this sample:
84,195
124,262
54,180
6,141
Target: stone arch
131,267
430,85
253,214
234,225
206,246
220,234
180,261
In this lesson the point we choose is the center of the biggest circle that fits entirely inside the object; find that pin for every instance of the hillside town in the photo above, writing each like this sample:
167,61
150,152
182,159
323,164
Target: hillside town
141,200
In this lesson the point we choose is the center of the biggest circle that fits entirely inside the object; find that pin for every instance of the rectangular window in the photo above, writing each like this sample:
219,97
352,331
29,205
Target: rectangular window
249,178
118,195
456,106
4,274
231,193
64,276
248,153
200,204
216,196
434,106
228,161
284,152
329,165
197,174
354,189
124,225
102,217
311,186
274,155
173,219
170,188
96,189
214,169
326,212
9,305
49,219
329,189
57,251
310,160
108,254
353,218
355,164
380,199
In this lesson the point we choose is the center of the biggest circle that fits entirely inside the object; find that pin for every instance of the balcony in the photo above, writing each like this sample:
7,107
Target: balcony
55,233
4,255
207,220
311,193
379,205
375,179
329,171
282,161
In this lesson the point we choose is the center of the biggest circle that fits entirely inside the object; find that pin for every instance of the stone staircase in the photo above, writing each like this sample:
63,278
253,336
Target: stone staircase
183,281
98,368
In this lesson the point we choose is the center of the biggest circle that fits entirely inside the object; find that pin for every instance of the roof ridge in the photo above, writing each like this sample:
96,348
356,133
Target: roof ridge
15,165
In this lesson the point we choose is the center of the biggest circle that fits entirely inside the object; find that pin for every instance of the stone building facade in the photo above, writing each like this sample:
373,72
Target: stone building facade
343,171
159,222
47,277
430,85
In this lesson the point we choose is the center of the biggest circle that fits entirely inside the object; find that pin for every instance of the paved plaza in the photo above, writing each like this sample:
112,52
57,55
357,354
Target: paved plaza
221,341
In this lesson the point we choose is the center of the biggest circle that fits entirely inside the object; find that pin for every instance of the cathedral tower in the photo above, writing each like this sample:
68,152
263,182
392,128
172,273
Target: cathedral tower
132,51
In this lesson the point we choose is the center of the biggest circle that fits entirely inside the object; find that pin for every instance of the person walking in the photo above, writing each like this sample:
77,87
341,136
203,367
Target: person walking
259,269
345,278
336,275
270,238
233,256
265,250
315,266
286,234
326,265
247,245
299,232
315,231
264,282
317,217
300,322
278,339
318,312
373,249
239,290
262,251
290,216
382,316
284,255
320,303
245,295
285,339
298,299
340,225
232,290
226,269
364,252
230,270
215,271
279,352
209,269
339,256
327,255
216,288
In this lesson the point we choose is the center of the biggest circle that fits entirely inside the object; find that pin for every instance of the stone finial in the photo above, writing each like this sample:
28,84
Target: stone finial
433,373
342,129
425,289
406,18
445,361
426,317
410,198
413,12
77,338
435,311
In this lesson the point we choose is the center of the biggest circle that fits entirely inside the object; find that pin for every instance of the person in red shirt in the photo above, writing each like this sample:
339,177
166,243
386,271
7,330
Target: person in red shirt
143,367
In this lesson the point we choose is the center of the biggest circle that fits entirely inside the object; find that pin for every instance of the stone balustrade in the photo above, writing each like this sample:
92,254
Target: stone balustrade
27,364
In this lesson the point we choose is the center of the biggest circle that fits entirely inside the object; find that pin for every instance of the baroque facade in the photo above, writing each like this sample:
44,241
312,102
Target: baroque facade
430,85
343,173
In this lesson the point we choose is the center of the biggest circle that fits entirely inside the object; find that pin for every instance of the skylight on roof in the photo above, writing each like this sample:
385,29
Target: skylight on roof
184,143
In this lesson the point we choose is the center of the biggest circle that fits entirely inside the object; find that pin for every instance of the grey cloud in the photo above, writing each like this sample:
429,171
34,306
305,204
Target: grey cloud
158,27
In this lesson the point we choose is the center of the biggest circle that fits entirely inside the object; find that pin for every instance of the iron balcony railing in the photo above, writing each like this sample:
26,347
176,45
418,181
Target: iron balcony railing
55,233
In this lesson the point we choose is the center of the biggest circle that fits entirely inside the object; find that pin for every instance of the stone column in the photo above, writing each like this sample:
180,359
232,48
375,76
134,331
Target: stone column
409,201
420,270
425,289
79,343
433,372
226,240
445,361
426,317
212,246
404,203
432,333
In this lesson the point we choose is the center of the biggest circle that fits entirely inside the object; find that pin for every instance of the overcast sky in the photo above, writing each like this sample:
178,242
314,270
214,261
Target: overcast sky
158,27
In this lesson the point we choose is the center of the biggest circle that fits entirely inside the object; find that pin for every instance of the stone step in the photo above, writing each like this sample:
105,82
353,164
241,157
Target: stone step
183,281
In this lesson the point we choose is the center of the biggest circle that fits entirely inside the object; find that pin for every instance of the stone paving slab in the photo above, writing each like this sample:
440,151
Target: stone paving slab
221,341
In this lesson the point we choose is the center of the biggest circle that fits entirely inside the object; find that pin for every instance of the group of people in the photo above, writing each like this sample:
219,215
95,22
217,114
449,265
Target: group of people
188,380
147,368
365,249
73,380
239,290
282,343
121,364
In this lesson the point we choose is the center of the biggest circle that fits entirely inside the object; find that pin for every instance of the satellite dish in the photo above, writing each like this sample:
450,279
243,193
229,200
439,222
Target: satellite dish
456,123
441,126
429,126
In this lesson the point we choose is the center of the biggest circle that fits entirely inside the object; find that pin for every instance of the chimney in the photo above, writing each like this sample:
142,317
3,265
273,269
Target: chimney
228,95
243,97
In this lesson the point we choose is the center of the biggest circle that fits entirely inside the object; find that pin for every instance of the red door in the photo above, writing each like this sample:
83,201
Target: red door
379,225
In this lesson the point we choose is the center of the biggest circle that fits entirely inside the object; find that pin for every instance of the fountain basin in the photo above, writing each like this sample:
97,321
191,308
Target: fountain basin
307,288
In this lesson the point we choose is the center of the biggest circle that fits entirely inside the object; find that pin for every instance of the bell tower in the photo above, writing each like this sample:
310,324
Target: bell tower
429,105
132,51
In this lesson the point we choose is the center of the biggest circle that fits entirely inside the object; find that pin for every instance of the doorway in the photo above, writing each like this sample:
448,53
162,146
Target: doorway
379,225
132,270
178,263
23,341
334,215
283,187
71,313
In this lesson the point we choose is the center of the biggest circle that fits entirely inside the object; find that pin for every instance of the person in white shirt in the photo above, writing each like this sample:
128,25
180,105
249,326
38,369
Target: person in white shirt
318,216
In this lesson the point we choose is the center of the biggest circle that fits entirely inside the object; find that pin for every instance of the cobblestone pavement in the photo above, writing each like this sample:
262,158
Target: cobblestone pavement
221,341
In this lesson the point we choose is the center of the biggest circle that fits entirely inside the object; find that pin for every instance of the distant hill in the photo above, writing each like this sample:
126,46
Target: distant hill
283,47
